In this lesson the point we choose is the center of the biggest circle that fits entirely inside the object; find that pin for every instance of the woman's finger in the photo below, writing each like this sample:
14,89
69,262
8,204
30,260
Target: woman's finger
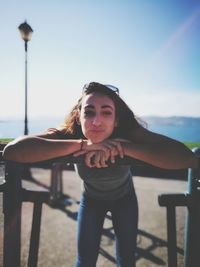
118,146
120,150
97,160
103,159
106,154
113,154
89,158
81,152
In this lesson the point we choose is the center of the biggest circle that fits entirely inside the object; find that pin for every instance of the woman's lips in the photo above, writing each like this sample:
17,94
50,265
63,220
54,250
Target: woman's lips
97,131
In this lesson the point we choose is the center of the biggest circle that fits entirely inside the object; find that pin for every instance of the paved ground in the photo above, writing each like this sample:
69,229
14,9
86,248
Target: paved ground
58,229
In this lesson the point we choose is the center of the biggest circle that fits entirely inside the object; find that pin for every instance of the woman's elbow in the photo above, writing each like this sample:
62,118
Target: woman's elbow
13,149
10,152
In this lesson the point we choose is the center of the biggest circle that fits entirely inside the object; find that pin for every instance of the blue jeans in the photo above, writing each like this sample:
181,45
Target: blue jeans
91,217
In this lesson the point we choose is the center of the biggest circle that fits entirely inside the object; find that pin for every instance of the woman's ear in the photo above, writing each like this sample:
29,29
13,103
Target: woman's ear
116,123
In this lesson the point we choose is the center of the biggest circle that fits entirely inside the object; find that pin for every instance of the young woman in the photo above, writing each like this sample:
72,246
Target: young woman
101,126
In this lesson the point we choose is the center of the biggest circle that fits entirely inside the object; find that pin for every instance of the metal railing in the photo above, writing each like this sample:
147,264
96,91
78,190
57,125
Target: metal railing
14,195
190,200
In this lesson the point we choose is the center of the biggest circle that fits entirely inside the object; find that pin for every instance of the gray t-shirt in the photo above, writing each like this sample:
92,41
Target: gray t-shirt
108,183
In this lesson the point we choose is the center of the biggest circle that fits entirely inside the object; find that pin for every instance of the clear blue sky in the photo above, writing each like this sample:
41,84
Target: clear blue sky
150,49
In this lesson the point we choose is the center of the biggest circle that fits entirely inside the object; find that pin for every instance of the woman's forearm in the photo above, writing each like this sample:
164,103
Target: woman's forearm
168,155
33,149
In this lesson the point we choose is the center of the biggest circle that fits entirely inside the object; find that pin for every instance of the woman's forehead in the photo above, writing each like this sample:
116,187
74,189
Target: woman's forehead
96,99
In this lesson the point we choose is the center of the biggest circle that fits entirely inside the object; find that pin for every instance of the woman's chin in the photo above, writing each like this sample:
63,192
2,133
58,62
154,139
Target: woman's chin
96,140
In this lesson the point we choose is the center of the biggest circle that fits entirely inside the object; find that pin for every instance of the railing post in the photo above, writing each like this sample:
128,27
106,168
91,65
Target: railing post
35,235
192,232
171,201
12,200
171,236
56,189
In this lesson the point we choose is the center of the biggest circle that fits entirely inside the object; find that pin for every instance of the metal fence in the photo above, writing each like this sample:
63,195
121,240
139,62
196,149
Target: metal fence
14,195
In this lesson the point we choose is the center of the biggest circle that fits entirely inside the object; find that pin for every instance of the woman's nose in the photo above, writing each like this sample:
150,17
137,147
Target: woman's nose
96,121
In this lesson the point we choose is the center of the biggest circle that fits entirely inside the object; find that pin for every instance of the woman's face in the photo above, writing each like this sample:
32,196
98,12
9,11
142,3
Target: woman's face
97,117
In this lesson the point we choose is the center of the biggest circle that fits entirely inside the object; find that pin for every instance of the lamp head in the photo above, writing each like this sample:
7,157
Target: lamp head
25,31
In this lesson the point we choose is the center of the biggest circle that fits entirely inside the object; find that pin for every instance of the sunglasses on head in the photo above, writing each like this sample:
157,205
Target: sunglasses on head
109,86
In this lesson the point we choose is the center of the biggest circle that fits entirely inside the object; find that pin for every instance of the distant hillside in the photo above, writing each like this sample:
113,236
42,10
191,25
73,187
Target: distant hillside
172,121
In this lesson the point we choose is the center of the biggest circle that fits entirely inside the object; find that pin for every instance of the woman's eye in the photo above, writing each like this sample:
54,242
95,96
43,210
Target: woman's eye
107,113
89,113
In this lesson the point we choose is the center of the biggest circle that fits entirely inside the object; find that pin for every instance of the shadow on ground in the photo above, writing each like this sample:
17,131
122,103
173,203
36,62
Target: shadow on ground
146,253
65,202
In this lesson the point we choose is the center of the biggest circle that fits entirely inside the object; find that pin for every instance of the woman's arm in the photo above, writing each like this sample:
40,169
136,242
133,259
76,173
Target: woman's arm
159,150
27,149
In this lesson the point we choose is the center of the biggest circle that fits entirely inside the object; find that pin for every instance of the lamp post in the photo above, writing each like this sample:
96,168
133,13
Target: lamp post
26,33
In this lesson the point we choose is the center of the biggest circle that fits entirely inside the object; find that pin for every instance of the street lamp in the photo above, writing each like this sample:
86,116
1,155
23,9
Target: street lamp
26,34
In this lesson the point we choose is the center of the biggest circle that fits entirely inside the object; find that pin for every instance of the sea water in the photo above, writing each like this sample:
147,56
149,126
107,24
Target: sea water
14,128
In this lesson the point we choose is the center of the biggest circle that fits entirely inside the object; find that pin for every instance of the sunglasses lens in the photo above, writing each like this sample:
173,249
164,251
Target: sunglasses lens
112,87
109,86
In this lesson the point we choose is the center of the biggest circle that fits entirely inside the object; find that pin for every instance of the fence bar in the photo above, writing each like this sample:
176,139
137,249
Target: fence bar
35,235
192,232
179,199
12,215
171,236
56,190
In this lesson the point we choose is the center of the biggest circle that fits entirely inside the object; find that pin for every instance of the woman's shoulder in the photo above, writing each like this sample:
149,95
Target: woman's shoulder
56,133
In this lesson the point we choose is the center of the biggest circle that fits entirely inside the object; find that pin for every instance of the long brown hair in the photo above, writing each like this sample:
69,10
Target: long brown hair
126,120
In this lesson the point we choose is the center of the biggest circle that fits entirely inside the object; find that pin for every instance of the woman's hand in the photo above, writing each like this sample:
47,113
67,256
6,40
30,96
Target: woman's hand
99,158
111,147
96,159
